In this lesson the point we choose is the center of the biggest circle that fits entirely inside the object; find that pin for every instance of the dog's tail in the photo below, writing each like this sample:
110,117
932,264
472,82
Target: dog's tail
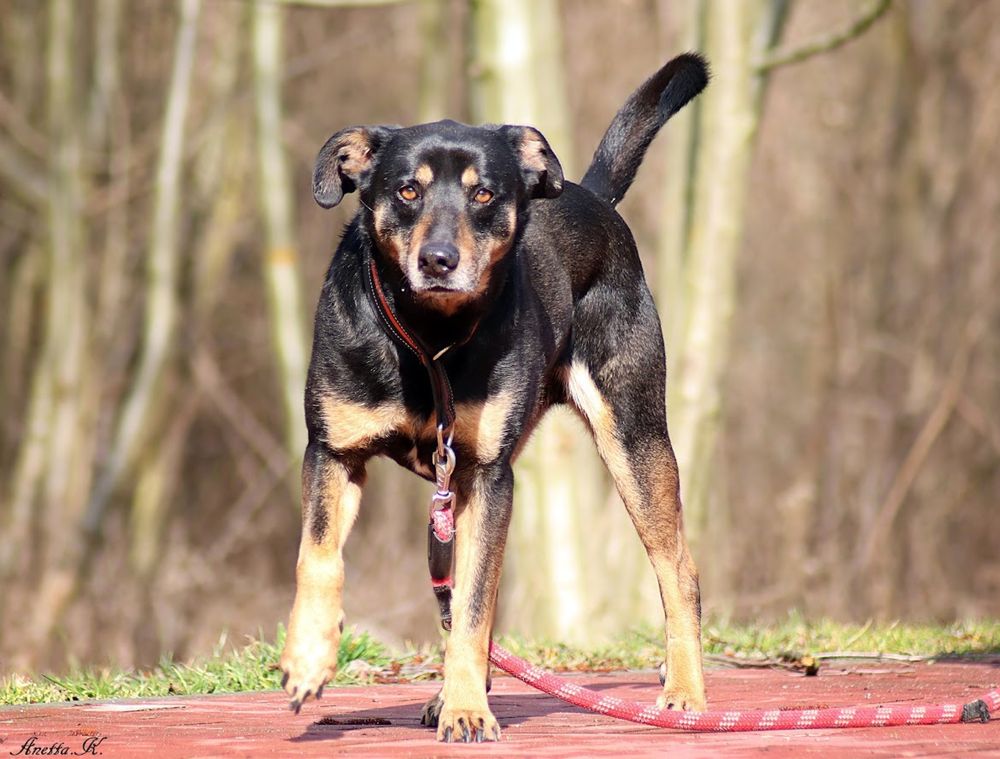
617,158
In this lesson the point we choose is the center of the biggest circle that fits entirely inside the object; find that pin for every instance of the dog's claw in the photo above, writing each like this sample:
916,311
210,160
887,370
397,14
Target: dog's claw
467,726
307,669
297,701
432,709
681,701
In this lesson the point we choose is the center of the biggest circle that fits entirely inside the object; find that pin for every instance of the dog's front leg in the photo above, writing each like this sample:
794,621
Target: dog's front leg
331,493
481,532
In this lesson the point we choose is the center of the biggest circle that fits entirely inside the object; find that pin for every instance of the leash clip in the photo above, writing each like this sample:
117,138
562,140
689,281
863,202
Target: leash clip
441,529
444,462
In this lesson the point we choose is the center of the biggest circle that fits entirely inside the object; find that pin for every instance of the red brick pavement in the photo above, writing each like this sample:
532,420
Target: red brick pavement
383,720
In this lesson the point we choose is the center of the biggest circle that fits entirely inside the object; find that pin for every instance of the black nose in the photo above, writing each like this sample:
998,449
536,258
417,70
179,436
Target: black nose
438,258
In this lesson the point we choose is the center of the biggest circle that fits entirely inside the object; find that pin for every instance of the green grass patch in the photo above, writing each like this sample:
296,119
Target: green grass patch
251,668
791,638
362,659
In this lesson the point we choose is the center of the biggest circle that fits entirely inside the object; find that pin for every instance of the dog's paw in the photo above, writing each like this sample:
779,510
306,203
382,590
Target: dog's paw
431,711
686,699
307,666
467,725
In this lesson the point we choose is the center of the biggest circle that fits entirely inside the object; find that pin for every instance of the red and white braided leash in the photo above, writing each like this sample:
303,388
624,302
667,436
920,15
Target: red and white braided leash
440,555
748,720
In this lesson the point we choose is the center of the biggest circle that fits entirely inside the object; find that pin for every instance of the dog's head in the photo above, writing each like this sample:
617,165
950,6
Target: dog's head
440,200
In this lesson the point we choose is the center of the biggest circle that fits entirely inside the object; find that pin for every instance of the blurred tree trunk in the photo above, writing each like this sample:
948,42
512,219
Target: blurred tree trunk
281,270
728,126
63,381
435,69
143,409
562,531
684,150
218,185
144,402
703,232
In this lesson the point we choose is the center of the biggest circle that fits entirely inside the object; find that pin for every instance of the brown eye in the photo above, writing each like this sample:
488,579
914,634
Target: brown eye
408,193
483,195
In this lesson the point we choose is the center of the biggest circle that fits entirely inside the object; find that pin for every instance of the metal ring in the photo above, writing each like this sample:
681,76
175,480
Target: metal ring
449,460
442,445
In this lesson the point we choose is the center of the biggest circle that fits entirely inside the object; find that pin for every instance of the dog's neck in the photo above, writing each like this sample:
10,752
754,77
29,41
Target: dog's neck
437,328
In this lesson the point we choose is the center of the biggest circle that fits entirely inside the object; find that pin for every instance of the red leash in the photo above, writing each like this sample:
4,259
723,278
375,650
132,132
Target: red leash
748,720
440,556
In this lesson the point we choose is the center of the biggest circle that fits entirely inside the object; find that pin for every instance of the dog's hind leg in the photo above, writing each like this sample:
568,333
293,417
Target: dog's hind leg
622,399
331,494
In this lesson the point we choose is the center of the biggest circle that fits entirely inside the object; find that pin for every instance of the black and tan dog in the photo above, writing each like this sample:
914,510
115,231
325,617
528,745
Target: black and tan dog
481,244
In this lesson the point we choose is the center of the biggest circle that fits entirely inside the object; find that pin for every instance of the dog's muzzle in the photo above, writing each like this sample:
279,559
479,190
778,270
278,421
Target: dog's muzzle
437,259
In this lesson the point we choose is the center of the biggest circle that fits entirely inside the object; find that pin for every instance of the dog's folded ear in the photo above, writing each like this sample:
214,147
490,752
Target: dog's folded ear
346,161
540,169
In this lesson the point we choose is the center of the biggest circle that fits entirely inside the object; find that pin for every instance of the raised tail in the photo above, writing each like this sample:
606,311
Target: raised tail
623,146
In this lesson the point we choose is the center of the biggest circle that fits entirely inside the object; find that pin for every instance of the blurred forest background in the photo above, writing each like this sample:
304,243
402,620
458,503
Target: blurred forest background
820,230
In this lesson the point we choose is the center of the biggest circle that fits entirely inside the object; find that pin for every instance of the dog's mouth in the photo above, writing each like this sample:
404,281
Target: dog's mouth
443,297
456,283
425,287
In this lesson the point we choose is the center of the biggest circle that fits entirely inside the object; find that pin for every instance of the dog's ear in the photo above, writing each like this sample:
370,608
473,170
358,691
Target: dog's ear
540,169
346,161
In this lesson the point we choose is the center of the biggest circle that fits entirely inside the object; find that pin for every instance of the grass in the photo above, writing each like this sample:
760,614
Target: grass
362,659
790,639
253,667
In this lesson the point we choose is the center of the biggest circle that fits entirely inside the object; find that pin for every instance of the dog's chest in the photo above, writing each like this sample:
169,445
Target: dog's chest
480,427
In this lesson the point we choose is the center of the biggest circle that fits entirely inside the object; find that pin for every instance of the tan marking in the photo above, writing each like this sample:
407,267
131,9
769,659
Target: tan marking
533,150
502,245
393,243
661,532
482,425
470,177
465,241
479,426
590,402
424,174
351,425
354,152
412,248
381,211
467,650
310,654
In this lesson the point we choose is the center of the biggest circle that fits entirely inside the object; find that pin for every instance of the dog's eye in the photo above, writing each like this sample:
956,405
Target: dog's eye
483,196
408,193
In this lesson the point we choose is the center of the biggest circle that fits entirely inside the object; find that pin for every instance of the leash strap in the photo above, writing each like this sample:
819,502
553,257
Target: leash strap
441,559
441,527
444,398
744,720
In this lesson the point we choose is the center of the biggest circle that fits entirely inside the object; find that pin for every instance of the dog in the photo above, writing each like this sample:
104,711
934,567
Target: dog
534,288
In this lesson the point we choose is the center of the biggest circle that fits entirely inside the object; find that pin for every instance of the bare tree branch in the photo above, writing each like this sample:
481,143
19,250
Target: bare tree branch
335,3
242,419
929,433
824,43
25,178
